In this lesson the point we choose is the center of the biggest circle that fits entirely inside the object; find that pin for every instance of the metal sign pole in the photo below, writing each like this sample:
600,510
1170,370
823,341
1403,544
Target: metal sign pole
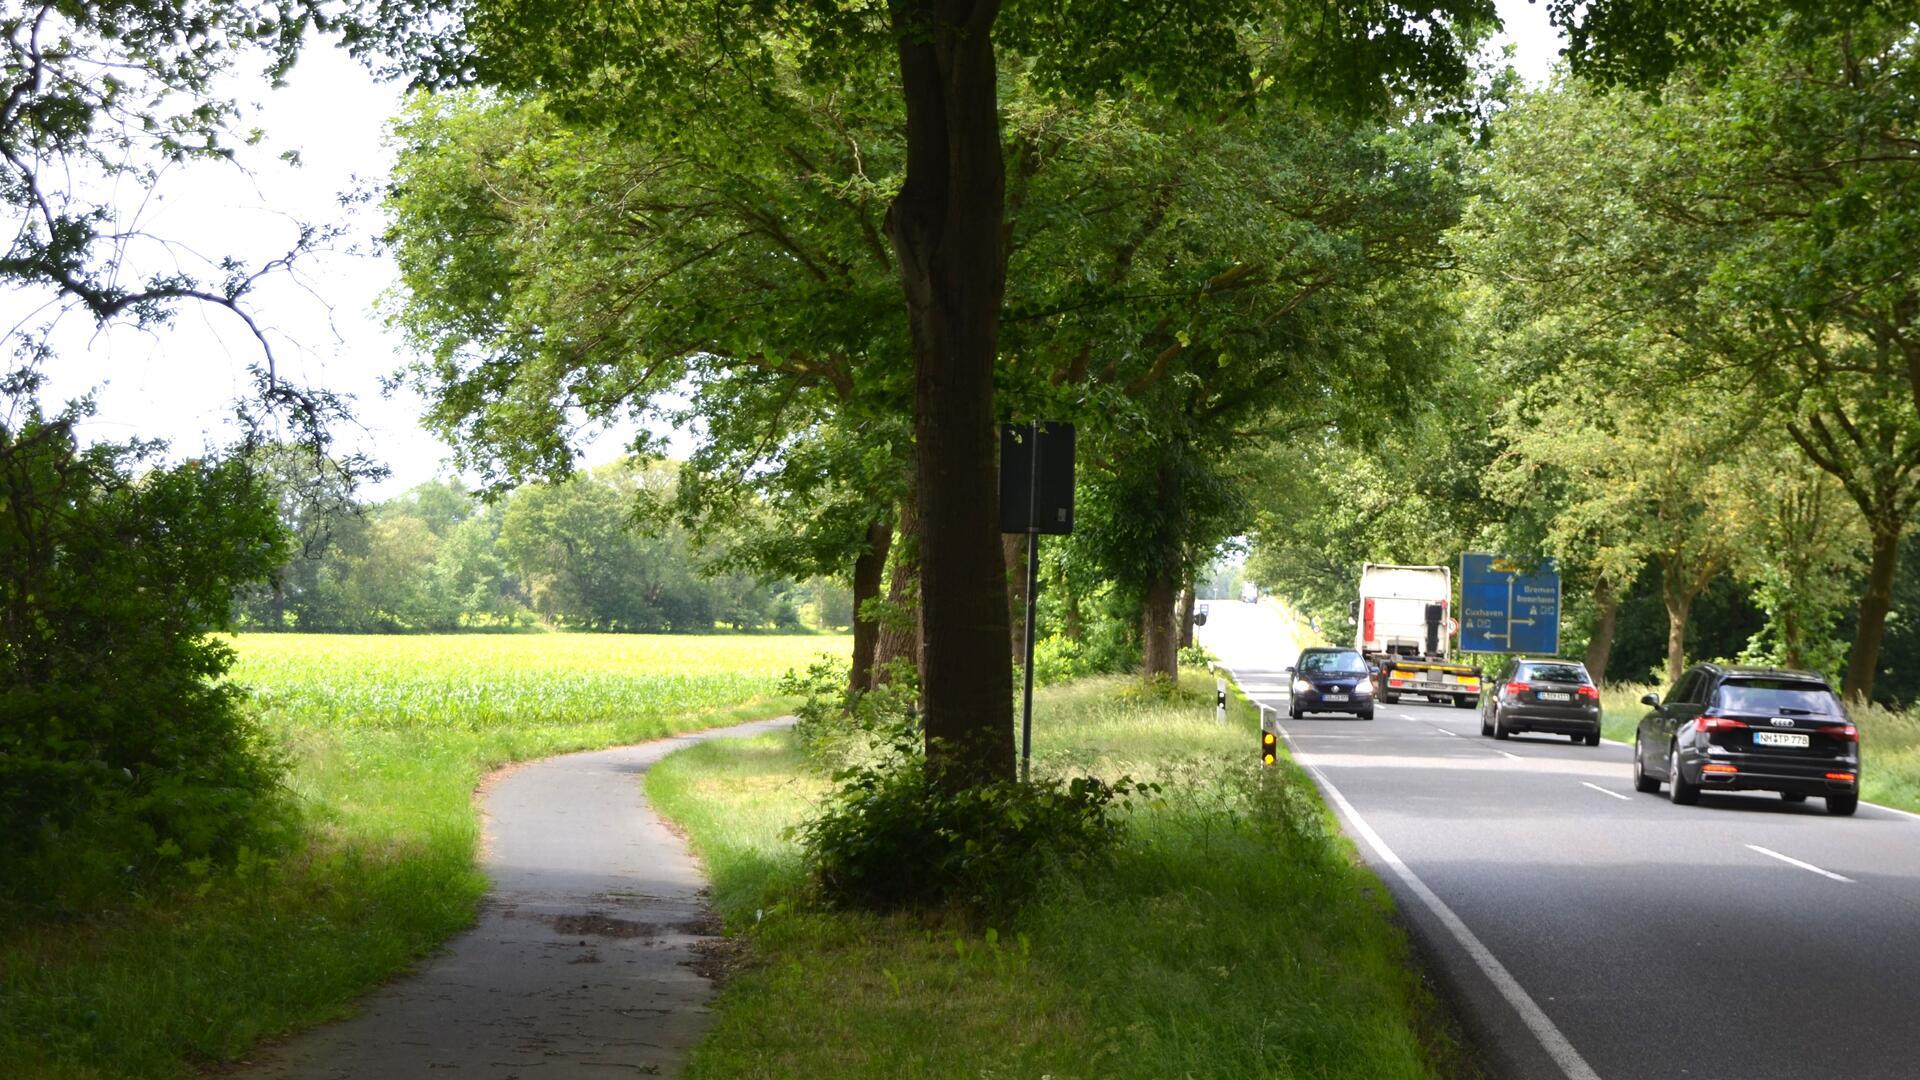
1033,575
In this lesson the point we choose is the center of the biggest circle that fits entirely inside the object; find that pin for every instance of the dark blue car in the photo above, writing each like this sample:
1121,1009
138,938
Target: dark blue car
1331,680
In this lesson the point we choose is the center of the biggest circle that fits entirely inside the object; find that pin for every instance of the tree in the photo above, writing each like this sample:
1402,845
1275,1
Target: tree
124,744
946,221
759,279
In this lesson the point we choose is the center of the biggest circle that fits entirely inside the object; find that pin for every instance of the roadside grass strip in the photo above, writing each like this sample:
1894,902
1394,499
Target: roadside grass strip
387,738
1235,933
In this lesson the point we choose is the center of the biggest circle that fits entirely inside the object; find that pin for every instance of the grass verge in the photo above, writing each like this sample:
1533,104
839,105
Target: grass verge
1235,934
387,737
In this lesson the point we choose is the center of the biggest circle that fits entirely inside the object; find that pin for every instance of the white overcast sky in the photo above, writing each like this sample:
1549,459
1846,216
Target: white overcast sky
180,383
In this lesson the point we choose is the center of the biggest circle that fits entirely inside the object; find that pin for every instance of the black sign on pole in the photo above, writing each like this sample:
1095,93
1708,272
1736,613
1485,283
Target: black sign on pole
1036,498
1036,478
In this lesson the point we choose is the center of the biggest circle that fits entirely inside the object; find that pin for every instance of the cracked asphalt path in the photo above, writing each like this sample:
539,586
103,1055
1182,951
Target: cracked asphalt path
579,964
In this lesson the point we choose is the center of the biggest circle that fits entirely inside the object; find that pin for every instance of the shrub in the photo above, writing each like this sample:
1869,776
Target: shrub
837,726
123,751
890,838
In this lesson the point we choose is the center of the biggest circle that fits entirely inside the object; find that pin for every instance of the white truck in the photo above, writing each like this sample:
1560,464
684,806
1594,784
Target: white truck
1404,630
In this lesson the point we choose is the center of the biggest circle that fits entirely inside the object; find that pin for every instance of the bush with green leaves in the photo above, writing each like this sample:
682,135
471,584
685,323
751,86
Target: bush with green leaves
124,753
891,837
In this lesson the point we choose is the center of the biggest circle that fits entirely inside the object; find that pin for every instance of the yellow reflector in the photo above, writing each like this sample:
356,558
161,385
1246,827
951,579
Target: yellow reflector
1268,747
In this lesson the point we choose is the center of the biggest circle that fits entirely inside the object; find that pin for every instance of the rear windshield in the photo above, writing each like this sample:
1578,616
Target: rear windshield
1333,663
1562,673
1782,696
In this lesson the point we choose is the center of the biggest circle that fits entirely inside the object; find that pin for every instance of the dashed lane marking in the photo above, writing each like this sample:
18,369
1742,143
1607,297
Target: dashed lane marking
1604,791
1791,861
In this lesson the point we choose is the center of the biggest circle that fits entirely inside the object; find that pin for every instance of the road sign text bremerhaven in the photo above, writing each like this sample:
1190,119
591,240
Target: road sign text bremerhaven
1506,607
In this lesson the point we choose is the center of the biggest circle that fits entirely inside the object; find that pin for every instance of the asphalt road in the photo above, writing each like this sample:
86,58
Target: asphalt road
1586,930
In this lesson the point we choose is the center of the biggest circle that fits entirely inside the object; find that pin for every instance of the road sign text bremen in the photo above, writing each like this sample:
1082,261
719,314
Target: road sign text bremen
1508,607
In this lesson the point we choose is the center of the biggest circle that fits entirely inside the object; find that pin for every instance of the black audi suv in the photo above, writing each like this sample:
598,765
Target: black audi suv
1749,729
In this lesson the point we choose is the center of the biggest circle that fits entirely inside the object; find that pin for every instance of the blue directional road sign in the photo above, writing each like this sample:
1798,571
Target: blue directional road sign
1508,608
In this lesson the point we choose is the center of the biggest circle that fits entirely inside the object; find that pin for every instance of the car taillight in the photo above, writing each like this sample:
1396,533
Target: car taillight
1710,724
1843,733
1592,692
1516,688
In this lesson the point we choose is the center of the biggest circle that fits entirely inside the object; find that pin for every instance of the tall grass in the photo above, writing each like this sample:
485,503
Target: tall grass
386,738
1233,935
1889,742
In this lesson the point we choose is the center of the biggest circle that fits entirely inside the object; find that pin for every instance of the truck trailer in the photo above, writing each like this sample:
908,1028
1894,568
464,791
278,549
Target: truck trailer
1404,630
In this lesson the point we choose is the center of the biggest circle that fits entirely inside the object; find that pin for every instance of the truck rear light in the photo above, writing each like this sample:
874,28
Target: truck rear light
1591,693
1711,724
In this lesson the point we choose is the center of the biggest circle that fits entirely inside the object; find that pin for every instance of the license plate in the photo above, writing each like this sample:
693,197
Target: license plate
1549,695
1780,738
1333,697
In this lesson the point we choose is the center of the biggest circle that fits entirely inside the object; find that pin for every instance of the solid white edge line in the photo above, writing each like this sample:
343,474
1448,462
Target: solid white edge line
1790,860
1604,791
1551,1039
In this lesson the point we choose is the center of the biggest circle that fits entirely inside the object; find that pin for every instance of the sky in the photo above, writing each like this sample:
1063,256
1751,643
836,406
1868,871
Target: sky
180,382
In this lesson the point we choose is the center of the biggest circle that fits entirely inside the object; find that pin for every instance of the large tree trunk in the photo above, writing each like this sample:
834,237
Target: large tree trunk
1606,602
946,229
900,631
1186,617
1159,642
1013,548
1678,608
868,571
1864,659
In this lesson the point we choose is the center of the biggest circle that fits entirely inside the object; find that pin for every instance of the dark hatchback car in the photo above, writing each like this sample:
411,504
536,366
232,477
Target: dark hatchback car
1749,729
1331,680
1556,697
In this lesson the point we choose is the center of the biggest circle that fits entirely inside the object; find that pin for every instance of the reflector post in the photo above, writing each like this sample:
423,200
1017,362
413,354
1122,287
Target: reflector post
1269,748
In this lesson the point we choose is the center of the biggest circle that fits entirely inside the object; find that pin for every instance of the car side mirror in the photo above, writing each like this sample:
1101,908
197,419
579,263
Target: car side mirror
1290,671
1650,699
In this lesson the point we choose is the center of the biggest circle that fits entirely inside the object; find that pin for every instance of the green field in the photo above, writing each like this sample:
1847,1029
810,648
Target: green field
1235,934
386,738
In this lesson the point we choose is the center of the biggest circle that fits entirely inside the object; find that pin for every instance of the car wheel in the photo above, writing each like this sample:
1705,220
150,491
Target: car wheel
1793,796
1678,790
1642,783
1499,727
1464,703
1593,738
1368,715
1389,699
1843,805
1293,713
1486,729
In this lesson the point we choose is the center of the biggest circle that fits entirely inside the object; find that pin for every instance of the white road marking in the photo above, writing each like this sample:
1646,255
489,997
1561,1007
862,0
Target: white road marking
1551,1039
1791,861
1444,731
1604,791
1515,757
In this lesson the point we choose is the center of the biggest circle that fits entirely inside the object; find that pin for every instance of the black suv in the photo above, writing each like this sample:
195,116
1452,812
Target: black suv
1749,729
1553,696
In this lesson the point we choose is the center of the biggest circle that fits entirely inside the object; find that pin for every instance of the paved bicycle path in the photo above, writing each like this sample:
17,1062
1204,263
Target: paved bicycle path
579,965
